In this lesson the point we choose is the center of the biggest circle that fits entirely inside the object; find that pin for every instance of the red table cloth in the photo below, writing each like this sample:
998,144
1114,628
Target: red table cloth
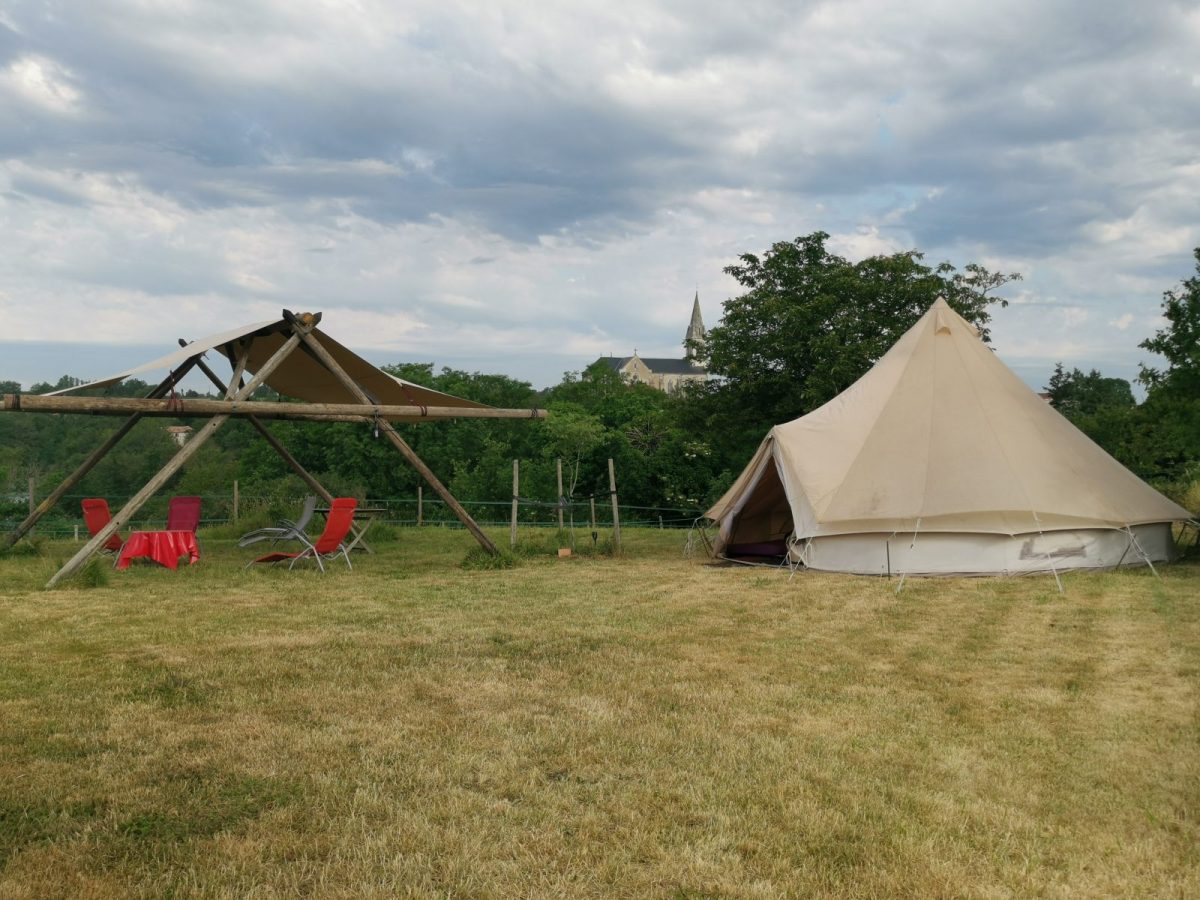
164,547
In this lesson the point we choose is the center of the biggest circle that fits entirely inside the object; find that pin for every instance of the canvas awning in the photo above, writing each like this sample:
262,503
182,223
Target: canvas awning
301,375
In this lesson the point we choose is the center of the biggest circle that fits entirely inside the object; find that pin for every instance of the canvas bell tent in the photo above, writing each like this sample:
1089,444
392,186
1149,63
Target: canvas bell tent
940,460
326,381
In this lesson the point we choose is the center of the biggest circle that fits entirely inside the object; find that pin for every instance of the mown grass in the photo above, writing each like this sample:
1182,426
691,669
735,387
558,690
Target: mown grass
636,726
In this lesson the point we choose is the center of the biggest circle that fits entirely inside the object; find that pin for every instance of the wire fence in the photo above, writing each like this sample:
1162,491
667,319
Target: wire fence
221,509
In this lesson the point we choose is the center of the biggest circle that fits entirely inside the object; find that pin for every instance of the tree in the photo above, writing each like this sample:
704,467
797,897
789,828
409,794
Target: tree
571,434
810,323
1173,393
1076,395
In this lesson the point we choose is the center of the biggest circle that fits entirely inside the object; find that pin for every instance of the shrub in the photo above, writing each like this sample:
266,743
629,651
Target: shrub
479,559
28,547
94,573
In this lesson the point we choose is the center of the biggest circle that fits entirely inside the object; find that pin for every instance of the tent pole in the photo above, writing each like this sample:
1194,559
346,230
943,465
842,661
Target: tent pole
239,368
1049,559
315,486
98,454
386,429
1140,552
186,452
904,574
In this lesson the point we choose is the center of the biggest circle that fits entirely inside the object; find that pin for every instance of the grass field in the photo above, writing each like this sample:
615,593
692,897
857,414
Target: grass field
640,727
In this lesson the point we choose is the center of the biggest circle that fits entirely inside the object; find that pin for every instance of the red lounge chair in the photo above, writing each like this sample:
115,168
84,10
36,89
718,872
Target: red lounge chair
183,514
96,516
328,545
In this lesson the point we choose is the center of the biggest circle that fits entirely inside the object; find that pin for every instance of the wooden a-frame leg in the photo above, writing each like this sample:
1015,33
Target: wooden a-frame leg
96,455
186,452
386,429
315,486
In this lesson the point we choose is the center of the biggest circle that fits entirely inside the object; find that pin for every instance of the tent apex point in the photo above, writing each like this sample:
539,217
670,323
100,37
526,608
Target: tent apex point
307,319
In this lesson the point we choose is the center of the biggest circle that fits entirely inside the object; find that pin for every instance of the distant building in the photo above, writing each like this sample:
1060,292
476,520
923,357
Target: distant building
179,433
666,374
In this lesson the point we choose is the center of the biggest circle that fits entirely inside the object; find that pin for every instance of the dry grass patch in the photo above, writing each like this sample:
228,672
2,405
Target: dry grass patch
642,726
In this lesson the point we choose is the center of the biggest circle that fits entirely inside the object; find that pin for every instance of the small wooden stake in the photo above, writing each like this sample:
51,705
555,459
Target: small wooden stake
420,506
612,488
512,529
592,499
235,501
32,503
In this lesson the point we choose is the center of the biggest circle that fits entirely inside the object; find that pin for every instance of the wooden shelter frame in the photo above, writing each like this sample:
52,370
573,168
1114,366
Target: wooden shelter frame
236,402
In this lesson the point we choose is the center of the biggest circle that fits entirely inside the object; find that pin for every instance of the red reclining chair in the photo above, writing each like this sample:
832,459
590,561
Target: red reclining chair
183,514
96,516
328,545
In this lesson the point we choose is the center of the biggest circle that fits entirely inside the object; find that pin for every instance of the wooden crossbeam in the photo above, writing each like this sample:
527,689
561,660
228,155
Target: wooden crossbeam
182,408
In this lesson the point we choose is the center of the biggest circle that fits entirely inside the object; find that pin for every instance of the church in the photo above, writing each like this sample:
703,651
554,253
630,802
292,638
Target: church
666,375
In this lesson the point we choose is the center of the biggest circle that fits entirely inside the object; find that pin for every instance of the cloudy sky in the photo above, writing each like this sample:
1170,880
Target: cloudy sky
520,187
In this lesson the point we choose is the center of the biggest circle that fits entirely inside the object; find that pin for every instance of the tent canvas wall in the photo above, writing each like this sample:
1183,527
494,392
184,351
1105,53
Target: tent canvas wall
940,460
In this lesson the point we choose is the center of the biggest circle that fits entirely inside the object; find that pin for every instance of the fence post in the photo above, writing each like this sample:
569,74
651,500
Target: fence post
77,534
559,501
420,506
612,489
512,531
32,503
592,500
235,501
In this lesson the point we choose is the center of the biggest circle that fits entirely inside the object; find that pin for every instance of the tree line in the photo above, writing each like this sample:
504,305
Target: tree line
806,326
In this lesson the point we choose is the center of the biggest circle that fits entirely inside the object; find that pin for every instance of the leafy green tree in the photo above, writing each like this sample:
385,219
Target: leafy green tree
1173,392
571,434
1075,394
809,324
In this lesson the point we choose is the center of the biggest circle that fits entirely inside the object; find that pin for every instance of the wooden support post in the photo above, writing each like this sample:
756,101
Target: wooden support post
612,490
235,501
315,486
98,454
386,429
559,502
512,529
592,500
186,452
420,506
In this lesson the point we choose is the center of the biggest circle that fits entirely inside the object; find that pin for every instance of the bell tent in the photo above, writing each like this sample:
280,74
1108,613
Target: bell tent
940,460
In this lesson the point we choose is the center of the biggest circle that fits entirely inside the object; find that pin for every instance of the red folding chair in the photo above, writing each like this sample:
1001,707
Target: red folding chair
328,545
96,516
183,514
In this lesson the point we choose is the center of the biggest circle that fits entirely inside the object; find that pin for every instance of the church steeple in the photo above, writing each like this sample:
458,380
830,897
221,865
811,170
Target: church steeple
695,331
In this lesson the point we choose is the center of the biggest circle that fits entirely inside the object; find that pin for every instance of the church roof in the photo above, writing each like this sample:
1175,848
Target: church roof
658,365
695,331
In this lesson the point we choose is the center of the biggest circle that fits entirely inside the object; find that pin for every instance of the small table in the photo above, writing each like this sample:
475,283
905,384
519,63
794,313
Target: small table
365,514
164,547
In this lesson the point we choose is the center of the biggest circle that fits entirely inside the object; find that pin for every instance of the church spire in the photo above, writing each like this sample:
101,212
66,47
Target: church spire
695,331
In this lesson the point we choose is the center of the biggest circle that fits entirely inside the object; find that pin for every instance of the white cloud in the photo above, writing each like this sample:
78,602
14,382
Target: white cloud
43,83
526,180
1122,323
